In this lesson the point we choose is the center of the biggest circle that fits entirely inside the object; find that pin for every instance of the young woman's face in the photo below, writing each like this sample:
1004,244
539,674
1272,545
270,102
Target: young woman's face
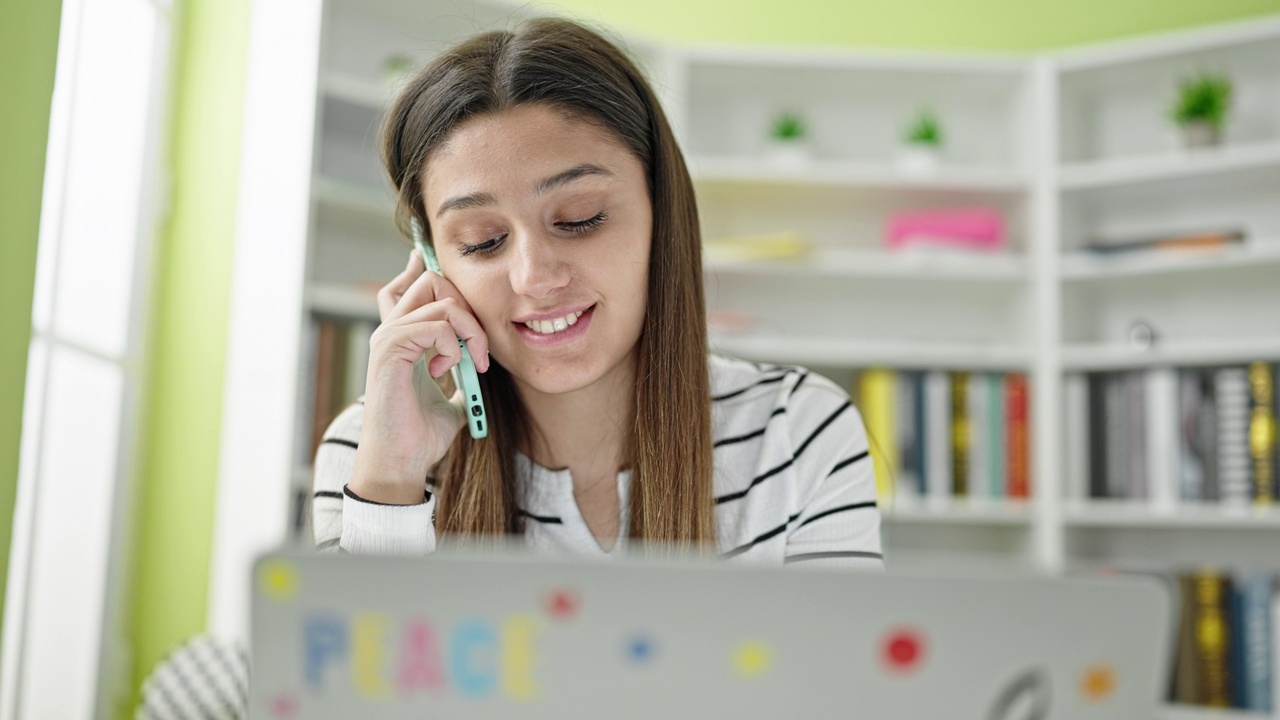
544,221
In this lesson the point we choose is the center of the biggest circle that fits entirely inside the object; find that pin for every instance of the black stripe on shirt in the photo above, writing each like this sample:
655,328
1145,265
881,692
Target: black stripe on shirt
545,519
761,538
794,388
328,494
758,383
426,497
846,463
756,481
833,554
339,441
752,434
840,509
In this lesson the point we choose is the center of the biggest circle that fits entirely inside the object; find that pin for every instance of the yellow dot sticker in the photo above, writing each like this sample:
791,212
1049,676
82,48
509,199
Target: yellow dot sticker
1098,682
278,580
752,658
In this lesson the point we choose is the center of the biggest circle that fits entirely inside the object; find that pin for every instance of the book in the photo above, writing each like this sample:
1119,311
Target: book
1212,637
1257,591
910,396
1231,393
1186,675
1135,434
1163,458
1075,423
323,387
1018,453
960,434
996,432
1262,433
1117,437
1211,239
1099,436
876,392
937,419
1191,448
979,429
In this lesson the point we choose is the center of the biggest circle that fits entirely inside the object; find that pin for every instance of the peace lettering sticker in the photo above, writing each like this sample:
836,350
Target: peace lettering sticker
903,650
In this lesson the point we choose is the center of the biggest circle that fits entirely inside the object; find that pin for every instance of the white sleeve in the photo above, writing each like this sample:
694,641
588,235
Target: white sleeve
839,521
342,521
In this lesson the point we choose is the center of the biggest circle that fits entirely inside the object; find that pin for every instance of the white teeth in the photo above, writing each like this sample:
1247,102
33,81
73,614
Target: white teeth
549,327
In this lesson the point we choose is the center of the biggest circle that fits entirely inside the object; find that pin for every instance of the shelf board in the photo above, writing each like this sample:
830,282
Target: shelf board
882,176
1115,356
356,91
343,301
958,511
1110,173
1083,267
831,262
1197,712
353,196
1141,515
818,351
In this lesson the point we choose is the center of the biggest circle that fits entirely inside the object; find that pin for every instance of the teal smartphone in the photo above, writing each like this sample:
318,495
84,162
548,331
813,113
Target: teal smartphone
464,373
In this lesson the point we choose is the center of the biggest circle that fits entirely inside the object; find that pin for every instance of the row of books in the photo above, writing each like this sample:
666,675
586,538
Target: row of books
1225,651
337,361
946,434
1189,435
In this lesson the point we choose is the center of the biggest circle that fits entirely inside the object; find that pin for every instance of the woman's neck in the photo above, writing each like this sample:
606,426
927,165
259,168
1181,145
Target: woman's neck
587,431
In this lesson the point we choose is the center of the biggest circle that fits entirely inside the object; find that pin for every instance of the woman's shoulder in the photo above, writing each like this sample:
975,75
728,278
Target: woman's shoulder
738,384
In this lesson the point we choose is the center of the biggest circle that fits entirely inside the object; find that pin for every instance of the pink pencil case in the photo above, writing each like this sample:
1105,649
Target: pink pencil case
979,228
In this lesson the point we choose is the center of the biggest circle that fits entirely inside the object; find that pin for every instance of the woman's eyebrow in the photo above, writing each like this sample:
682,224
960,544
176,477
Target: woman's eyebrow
568,176
484,199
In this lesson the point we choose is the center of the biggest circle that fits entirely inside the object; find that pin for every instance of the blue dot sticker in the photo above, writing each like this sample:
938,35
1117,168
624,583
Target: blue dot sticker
640,649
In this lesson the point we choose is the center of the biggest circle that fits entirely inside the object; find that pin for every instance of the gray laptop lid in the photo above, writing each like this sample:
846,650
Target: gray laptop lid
464,636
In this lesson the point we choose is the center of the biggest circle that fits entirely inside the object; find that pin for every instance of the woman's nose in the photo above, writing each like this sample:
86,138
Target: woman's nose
537,270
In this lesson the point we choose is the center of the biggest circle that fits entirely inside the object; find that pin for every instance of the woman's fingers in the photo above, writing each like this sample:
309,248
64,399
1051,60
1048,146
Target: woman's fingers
464,324
391,293
410,341
427,288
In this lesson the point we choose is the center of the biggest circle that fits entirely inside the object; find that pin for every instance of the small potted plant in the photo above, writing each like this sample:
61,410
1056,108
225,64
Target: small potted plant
922,144
1200,110
789,140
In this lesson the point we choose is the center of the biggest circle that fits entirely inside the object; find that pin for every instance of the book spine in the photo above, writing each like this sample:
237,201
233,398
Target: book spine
1019,465
1135,434
876,392
326,351
918,418
1211,636
1075,421
1117,442
1262,433
1190,445
908,482
1231,387
977,414
937,434
1099,438
1258,590
1208,431
996,436
960,439
1235,645
1186,676
1162,437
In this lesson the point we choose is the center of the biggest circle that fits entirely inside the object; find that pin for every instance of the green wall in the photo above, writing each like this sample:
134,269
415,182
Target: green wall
176,484
28,41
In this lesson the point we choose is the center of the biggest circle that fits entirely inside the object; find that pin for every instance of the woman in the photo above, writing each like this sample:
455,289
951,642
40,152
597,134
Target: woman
550,186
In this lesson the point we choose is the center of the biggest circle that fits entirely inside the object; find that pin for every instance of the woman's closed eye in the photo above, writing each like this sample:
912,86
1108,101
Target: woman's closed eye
581,226
573,226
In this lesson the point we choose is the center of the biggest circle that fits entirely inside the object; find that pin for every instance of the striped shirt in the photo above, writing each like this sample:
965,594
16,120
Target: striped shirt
792,478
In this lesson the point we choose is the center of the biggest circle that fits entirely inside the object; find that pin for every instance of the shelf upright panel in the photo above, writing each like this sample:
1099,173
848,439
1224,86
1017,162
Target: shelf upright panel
1048,543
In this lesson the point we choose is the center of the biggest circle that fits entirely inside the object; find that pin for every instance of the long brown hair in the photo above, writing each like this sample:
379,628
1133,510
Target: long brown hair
563,65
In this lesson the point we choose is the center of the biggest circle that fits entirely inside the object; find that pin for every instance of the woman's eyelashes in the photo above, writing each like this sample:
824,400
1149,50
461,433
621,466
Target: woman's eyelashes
576,227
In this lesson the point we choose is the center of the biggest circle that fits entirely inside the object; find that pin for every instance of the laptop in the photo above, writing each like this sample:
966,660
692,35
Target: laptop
508,635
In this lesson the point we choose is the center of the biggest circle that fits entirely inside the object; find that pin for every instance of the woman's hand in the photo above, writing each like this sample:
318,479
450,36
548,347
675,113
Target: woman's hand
408,421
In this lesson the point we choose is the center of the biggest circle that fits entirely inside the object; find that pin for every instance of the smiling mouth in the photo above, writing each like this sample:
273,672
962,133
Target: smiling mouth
551,327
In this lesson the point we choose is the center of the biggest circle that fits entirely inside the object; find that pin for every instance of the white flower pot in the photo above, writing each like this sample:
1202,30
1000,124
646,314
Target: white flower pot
788,153
919,159
1200,135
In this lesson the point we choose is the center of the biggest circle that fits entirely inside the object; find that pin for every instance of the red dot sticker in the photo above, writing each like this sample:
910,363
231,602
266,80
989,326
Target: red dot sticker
903,650
562,604
284,706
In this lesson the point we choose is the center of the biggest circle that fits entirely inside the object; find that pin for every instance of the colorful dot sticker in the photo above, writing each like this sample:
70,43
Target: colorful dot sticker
903,650
278,580
284,706
562,604
640,649
752,658
1098,682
